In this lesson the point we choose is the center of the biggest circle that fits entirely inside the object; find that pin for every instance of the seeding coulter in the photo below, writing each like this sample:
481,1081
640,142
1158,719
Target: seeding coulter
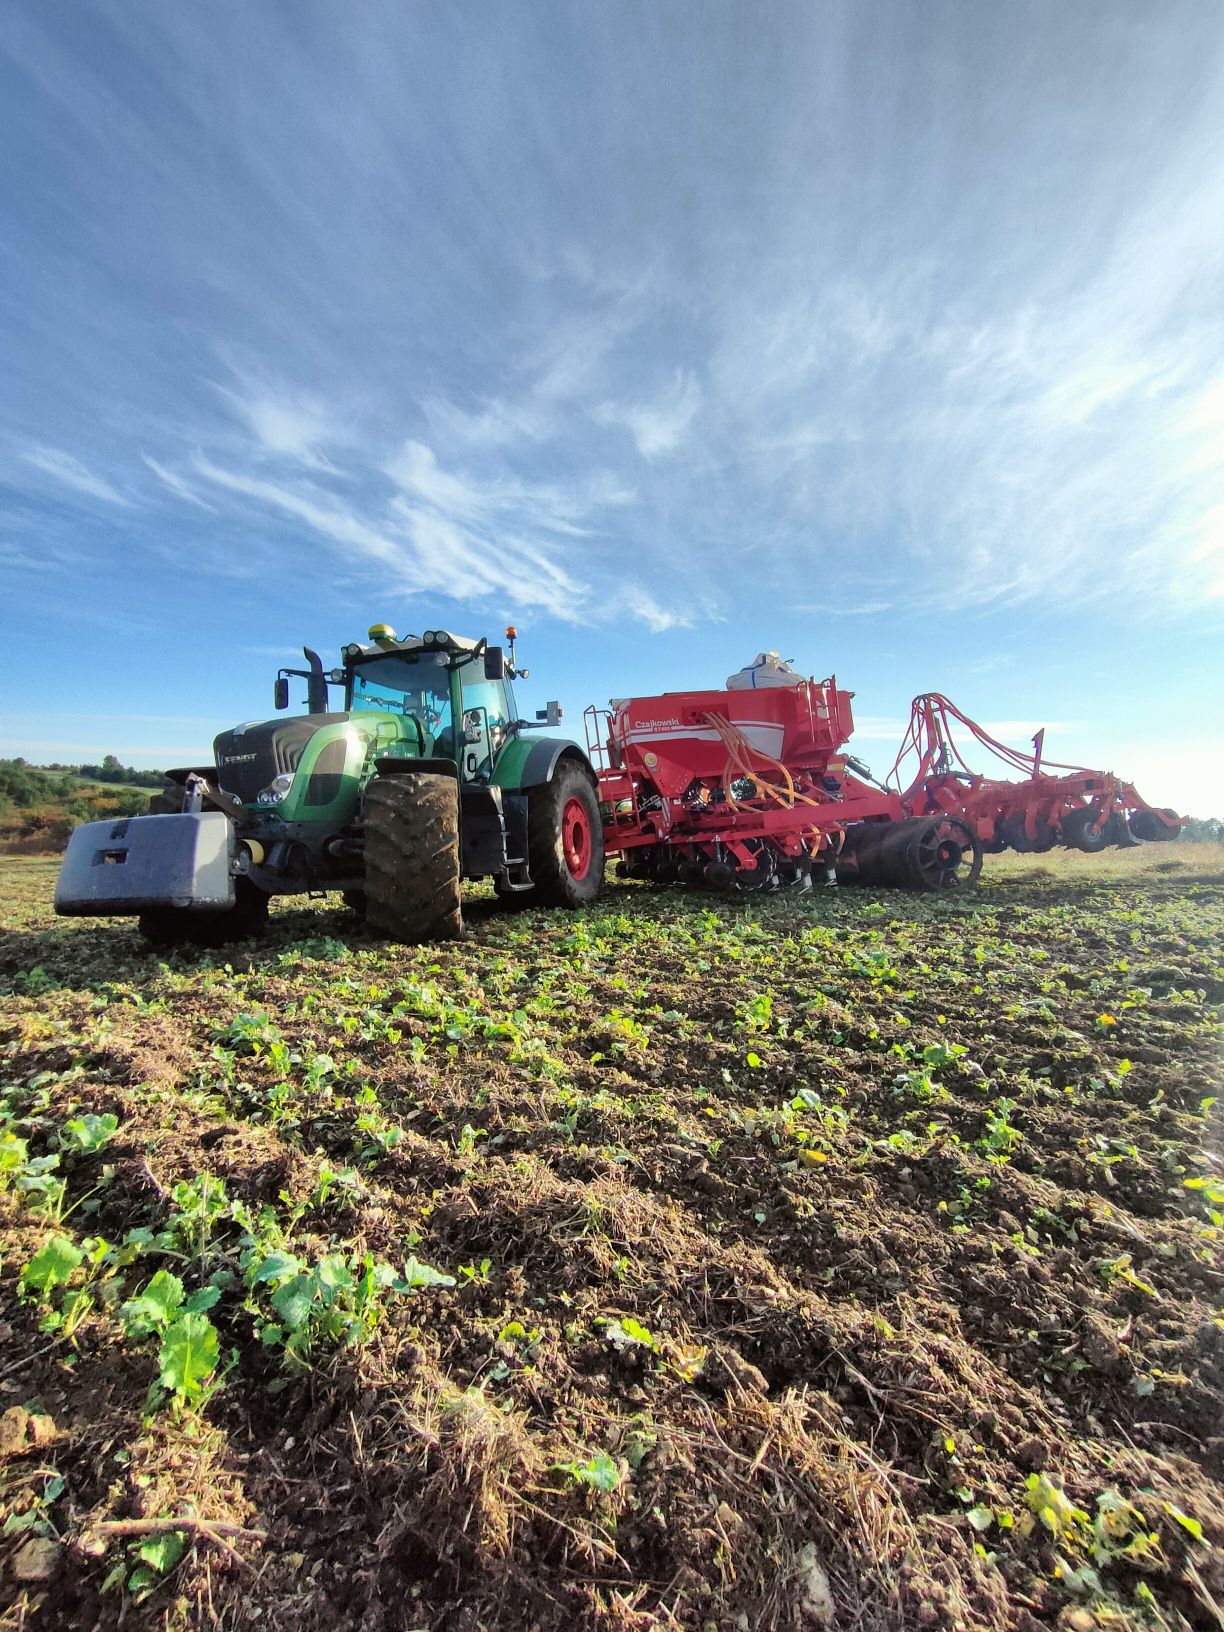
751,789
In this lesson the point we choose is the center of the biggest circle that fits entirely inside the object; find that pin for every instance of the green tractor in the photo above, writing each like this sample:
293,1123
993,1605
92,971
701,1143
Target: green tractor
423,776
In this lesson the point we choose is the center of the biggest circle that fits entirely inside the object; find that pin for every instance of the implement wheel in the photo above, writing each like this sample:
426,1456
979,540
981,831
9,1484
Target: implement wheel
859,861
180,926
1014,835
1077,831
1146,824
412,857
565,847
762,876
944,854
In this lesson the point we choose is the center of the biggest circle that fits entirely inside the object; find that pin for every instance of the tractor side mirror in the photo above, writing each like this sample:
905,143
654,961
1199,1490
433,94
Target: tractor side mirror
280,692
550,714
494,663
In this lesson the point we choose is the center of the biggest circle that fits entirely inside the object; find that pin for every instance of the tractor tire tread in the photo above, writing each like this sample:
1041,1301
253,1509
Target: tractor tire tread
554,884
412,857
169,802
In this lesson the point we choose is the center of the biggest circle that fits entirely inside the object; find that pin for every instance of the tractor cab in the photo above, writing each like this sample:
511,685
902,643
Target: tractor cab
452,696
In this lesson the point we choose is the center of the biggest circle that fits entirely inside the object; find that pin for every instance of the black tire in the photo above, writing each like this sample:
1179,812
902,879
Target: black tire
1014,836
1121,833
355,901
892,862
170,801
412,857
859,862
1146,824
1076,827
565,848
180,926
944,854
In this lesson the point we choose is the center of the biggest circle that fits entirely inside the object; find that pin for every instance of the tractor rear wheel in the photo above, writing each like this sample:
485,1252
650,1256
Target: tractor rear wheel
180,926
412,856
565,848
1122,833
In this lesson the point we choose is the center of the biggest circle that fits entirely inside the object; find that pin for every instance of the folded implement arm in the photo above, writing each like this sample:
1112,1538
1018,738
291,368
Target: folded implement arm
1047,803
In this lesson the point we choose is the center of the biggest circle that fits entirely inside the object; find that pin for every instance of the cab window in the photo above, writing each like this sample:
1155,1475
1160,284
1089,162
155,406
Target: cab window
416,686
487,713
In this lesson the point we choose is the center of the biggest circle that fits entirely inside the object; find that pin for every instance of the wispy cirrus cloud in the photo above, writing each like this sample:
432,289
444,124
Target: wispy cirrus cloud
176,484
436,531
71,472
658,425
287,424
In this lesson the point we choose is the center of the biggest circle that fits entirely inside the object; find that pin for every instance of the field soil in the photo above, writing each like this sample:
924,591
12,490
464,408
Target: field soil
847,1261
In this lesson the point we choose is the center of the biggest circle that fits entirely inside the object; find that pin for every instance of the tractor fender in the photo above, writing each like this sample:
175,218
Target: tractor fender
539,763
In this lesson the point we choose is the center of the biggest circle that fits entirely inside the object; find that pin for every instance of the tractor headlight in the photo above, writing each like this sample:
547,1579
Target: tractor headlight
276,789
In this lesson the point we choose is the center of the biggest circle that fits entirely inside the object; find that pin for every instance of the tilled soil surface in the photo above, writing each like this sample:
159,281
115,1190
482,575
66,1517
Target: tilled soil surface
844,1261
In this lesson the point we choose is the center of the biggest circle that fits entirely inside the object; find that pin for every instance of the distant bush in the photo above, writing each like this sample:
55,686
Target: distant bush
41,805
111,770
1204,830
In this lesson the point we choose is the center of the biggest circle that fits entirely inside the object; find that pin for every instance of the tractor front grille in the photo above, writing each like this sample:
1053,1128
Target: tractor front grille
249,756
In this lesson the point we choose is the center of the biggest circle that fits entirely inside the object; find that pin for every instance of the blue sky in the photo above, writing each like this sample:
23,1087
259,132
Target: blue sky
891,336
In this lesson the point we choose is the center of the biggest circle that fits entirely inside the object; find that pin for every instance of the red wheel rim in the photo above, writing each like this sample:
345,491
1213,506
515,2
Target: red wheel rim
576,837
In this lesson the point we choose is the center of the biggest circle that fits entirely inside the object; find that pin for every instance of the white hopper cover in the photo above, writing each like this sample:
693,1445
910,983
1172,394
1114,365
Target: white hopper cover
768,670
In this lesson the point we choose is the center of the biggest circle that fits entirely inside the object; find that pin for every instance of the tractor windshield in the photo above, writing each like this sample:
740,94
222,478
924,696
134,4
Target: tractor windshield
417,686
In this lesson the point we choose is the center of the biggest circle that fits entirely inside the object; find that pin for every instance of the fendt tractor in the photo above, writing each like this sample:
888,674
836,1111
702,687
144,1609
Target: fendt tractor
424,775
427,776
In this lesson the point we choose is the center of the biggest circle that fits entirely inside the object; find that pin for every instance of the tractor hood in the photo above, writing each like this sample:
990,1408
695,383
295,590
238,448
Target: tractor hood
249,757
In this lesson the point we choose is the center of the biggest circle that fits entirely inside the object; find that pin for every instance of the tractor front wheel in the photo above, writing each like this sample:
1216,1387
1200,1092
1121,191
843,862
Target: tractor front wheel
565,838
180,926
412,856
171,801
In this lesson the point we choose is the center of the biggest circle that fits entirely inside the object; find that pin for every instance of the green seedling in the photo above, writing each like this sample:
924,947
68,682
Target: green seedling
628,1333
86,1135
600,1472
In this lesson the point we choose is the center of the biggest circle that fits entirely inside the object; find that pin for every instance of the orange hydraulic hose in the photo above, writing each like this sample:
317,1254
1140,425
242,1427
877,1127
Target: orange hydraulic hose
739,768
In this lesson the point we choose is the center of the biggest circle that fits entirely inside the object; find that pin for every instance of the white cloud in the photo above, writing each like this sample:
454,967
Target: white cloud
326,515
640,604
287,424
878,728
657,426
1013,733
70,472
424,548
838,609
176,484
